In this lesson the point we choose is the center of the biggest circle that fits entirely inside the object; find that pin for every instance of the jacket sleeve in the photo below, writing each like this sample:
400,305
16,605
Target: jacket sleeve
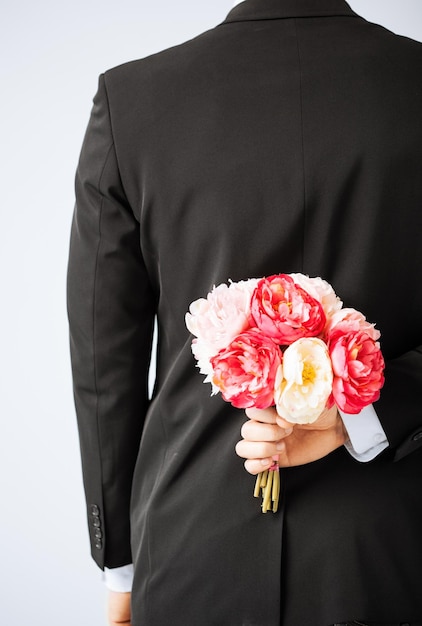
400,405
111,310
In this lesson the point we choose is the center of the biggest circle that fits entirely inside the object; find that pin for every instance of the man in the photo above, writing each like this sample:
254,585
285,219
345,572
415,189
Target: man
287,139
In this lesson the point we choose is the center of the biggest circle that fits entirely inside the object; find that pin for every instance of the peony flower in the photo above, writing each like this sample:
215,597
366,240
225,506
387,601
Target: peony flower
304,381
284,311
245,371
322,291
348,320
217,319
203,353
358,367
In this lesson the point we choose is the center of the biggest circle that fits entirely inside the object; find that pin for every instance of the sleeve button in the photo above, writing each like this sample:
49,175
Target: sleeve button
416,438
98,544
95,510
96,522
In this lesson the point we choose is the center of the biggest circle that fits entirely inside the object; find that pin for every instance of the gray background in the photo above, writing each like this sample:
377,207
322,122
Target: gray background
52,54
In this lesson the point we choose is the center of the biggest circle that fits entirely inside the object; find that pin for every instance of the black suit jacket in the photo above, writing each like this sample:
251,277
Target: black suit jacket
286,139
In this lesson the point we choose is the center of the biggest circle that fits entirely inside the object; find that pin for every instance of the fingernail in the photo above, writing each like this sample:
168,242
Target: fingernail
288,431
265,461
280,446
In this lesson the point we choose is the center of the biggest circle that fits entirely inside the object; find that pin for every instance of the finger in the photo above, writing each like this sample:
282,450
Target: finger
280,419
258,449
255,466
285,424
259,431
262,415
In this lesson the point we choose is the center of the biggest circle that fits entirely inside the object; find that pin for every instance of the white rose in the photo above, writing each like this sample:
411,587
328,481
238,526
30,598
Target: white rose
304,381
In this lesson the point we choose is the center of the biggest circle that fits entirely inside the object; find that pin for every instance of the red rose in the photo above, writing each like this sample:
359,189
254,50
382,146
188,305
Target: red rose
284,311
358,367
245,371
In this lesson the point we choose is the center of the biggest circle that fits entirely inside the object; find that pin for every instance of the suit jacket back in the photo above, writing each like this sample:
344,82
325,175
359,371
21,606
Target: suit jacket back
287,139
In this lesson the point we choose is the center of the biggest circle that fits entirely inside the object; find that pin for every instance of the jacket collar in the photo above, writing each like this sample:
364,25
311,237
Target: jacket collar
279,9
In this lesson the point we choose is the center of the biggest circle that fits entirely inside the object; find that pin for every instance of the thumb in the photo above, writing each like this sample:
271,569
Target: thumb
267,416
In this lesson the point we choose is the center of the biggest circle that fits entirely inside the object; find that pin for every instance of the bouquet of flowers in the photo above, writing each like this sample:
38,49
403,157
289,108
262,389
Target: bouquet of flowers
285,341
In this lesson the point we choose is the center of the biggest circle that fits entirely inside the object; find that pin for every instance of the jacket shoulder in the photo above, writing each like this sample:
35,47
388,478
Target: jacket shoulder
170,60
394,41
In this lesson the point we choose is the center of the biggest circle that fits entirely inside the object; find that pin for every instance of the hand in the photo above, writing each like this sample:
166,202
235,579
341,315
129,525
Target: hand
267,436
118,608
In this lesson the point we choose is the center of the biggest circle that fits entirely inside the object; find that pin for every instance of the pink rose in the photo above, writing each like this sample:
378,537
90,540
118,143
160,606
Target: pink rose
219,318
284,311
350,319
322,291
245,371
358,367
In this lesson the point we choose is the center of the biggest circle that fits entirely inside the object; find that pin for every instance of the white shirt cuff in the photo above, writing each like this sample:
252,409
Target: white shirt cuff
367,438
118,578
